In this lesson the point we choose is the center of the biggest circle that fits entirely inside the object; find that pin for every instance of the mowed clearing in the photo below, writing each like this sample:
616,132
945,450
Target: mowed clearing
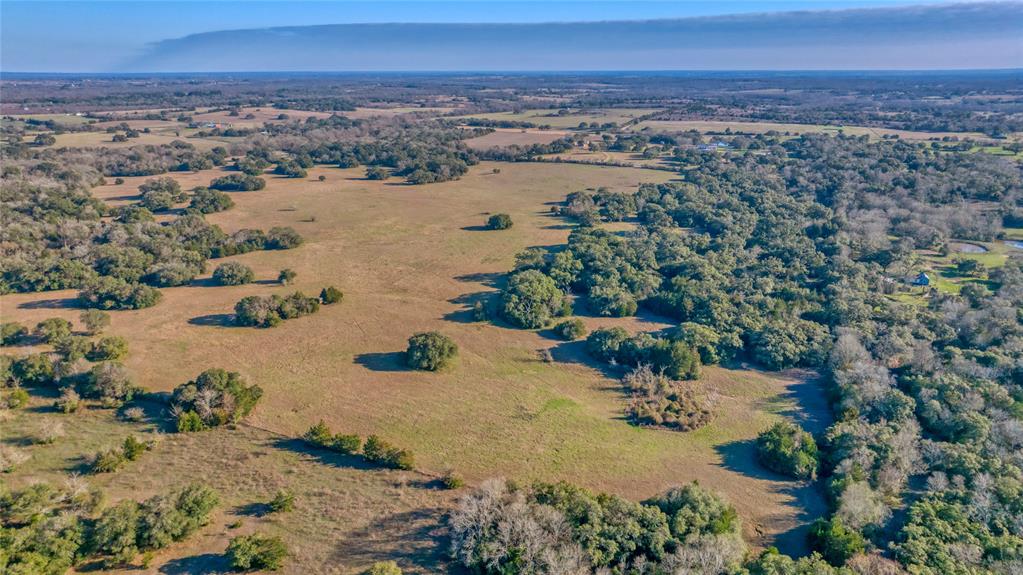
515,137
415,258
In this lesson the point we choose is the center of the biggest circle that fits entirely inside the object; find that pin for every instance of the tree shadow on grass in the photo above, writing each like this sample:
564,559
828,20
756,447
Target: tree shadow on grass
489,279
806,497
204,564
416,539
54,303
575,352
382,361
214,320
325,456
254,509
477,228
468,301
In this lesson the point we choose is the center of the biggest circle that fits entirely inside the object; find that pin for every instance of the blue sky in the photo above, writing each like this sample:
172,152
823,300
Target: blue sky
43,35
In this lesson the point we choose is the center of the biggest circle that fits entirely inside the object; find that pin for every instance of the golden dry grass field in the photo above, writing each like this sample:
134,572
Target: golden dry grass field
762,127
415,258
515,137
571,120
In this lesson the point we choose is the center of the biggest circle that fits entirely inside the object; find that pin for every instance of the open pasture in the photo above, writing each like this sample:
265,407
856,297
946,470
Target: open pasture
571,119
515,137
415,258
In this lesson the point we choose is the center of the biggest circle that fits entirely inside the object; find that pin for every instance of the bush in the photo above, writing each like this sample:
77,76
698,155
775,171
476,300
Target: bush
238,183
12,333
430,351
233,274
110,383
605,343
451,481
834,541
69,400
253,552
282,502
499,222
384,568
108,348
382,453
785,448
16,398
189,421
570,329
532,299
95,321
73,348
35,369
377,173
107,461
330,295
282,238
287,276
53,330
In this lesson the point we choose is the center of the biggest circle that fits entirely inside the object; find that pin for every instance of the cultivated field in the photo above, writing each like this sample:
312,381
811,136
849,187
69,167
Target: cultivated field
411,259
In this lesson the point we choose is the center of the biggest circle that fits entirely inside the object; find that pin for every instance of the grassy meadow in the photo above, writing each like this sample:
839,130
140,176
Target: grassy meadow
415,258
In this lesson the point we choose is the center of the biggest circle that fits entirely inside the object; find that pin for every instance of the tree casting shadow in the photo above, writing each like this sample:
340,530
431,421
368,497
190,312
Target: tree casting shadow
214,319
382,361
324,456
205,564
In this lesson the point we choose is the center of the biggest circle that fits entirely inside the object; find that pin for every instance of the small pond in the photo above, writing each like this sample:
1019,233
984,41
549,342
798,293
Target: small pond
1014,244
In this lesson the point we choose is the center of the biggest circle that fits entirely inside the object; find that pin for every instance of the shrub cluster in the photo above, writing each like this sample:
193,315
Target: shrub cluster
110,460
532,300
270,311
375,450
238,183
671,357
658,400
216,397
256,552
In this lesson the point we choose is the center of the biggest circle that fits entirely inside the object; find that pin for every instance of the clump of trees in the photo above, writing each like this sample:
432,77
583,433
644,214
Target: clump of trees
161,194
107,292
672,357
233,274
785,448
238,183
499,222
50,530
374,450
331,295
532,300
216,397
209,201
560,528
430,351
270,311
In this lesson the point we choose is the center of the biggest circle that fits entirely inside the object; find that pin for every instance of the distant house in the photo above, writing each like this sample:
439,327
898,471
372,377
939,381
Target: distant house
713,146
922,279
